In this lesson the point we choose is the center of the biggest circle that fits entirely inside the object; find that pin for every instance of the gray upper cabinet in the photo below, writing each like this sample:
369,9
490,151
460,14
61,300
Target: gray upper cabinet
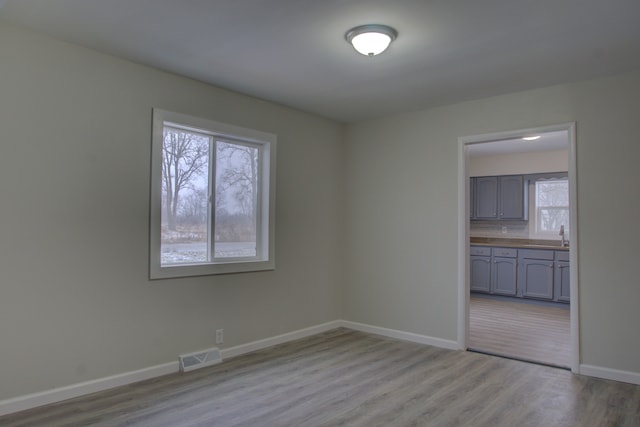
486,197
513,198
472,198
499,198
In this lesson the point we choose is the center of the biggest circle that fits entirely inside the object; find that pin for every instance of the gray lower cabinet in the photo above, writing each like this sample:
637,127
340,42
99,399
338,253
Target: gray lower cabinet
561,277
503,271
493,270
480,266
524,273
535,274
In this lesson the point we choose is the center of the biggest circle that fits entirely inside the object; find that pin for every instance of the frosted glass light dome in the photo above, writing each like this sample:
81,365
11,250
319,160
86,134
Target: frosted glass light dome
371,40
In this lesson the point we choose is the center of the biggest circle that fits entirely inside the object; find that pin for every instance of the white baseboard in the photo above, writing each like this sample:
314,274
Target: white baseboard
610,374
279,339
29,401
401,335
46,397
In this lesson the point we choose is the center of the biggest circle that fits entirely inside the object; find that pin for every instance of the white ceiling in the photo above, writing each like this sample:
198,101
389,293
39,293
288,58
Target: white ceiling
293,52
548,141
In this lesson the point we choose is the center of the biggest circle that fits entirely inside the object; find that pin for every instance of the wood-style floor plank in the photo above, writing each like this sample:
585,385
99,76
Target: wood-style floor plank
521,330
349,378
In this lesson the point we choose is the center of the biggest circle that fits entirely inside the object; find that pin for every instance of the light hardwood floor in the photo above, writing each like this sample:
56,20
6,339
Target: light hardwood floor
349,378
522,330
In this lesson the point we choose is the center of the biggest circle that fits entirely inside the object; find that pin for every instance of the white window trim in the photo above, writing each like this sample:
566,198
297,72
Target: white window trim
533,215
265,259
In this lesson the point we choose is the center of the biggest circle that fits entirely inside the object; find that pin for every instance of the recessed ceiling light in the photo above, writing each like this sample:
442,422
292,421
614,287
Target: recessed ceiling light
371,40
531,138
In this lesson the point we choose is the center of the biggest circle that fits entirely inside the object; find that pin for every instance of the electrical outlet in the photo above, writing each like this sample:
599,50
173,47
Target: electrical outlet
504,229
219,336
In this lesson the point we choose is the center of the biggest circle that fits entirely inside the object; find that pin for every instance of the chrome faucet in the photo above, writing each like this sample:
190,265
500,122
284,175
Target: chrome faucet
564,242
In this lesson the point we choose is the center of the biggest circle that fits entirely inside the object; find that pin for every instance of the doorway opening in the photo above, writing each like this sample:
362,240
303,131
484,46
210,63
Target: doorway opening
518,284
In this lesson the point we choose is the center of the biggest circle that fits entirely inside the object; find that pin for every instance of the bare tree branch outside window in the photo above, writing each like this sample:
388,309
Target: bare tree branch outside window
212,195
552,206
236,193
186,220
184,159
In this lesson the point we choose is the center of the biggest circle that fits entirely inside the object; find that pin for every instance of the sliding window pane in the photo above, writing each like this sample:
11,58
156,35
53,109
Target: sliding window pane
185,197
236,200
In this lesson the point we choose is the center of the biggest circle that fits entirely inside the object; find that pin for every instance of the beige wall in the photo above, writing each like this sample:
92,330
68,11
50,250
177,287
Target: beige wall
402,210
75,300
76,303
519,163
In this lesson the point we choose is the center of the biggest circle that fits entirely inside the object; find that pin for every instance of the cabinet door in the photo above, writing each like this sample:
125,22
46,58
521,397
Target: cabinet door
561,281
472,199
486,197
512,200
503,276
535,277
480,273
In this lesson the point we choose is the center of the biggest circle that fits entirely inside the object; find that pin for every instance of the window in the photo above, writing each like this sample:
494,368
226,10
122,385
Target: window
551,206
212,197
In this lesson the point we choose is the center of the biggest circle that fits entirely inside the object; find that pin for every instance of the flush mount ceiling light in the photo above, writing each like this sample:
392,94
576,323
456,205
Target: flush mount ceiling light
531,138
371,40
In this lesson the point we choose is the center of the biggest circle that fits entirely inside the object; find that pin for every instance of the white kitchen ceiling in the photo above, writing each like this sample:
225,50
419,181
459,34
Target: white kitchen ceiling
293,52
548,141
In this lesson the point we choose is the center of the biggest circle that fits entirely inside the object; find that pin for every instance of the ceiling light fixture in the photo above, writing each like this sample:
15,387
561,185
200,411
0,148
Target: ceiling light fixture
371,40
531,138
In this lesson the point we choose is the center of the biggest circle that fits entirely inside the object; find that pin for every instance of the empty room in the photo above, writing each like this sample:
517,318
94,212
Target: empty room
250,213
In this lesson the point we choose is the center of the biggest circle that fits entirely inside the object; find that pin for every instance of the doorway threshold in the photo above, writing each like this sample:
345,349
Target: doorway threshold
519,359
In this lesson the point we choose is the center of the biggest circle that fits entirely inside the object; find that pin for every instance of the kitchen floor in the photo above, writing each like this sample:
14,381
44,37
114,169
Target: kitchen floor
520,330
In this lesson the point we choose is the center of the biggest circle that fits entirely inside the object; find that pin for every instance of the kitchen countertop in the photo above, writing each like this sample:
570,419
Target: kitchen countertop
519,243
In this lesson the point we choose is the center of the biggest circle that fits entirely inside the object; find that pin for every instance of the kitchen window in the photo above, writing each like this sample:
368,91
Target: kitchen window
212,197
551,207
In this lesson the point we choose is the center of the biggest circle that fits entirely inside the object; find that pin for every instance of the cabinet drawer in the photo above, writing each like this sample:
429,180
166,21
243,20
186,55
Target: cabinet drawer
562,255
505,252
480,250
536,254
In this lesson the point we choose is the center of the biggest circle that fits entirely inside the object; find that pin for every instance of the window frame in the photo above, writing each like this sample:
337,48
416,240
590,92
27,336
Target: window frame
265,238
534,208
